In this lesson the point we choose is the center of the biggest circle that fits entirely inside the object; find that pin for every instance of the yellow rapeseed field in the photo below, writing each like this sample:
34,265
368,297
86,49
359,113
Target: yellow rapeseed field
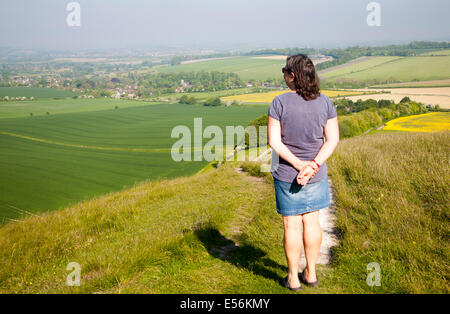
269,96
428,122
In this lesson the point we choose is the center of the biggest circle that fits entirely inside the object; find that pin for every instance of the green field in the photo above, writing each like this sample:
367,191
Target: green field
14,109
53,160
35,92
202,96
246,67
405,69
345,70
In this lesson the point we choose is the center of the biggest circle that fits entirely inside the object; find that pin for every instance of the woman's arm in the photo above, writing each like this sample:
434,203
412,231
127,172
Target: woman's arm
331,132
274,135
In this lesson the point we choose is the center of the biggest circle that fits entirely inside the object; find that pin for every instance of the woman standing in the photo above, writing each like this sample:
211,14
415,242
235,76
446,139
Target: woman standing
303,131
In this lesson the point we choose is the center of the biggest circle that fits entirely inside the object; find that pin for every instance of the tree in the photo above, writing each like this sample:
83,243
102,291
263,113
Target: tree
405,99
175,60
384,103
5,76
185,99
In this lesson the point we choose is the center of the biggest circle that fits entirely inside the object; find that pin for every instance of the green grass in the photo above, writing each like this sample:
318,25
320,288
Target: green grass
146,127
392,204
51,161
246,67
162,236
36,92
39,177
405,69
158,237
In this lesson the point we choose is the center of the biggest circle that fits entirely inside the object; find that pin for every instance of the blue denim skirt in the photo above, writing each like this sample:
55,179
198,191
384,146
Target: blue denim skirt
295,199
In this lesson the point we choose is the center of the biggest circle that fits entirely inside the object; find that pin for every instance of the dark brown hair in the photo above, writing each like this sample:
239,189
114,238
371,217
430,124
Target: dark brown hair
306,80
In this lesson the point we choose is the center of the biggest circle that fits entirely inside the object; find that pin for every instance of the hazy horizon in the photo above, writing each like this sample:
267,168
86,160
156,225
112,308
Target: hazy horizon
223,25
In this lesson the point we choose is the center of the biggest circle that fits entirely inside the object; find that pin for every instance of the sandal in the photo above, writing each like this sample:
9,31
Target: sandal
286,285
301,277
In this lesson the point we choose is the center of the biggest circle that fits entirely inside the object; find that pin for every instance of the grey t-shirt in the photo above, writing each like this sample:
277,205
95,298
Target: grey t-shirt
302,130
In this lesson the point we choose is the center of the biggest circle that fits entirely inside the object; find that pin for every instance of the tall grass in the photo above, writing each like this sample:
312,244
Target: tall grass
393,209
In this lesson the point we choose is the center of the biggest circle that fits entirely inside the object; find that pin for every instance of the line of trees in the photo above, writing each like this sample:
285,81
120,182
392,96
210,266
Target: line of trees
363,116
357,123
156,84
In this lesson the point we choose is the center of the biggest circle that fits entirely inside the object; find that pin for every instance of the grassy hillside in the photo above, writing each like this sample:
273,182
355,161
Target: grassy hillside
171,236
55,160
393,209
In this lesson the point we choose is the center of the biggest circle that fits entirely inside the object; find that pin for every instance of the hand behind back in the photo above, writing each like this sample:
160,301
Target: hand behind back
306,173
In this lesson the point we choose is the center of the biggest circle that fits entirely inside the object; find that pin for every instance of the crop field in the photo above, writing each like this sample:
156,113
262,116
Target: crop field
428,122
51,161
246,67
427,95
353,67
201,96
16,108
405,69
269,96
35,92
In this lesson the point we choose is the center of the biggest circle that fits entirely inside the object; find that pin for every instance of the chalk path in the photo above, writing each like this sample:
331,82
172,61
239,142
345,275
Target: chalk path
327,219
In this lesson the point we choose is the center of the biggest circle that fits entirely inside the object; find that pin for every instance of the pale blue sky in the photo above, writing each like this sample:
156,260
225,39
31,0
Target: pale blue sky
219,23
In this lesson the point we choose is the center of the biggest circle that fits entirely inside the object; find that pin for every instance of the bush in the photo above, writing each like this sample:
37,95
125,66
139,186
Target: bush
258,122
215,101
189,100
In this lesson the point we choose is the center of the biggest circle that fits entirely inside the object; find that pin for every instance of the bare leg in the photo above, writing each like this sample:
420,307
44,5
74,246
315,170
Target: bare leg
292,247
312,239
